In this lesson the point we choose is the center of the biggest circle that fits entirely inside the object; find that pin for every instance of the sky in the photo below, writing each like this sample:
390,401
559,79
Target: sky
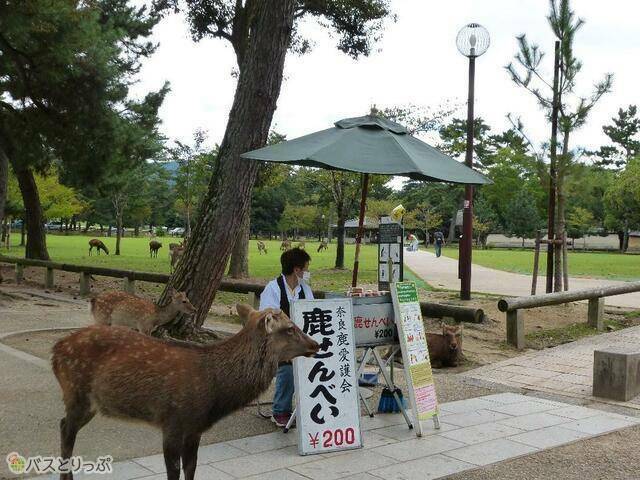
416,62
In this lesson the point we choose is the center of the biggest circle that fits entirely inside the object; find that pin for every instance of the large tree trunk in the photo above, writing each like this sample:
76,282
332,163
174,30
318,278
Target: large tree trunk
239,265
36,238
228,199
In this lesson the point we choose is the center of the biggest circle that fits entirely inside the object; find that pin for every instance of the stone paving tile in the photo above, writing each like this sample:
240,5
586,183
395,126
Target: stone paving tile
506,398
534,421
401,432
462,406
203,472
549,437
265,442
476,417
338,467
428,468
481,433
380,420
283,474
599,424
263,462
419,447
524,408
575,379
491,452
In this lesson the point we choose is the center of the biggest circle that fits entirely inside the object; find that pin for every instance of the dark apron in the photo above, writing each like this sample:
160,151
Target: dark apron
284,303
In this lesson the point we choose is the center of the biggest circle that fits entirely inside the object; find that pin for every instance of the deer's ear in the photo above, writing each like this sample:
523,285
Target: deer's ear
244,311
270,323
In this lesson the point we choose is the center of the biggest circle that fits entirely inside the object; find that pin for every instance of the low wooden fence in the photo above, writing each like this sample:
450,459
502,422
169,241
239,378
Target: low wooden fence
130,277
595,312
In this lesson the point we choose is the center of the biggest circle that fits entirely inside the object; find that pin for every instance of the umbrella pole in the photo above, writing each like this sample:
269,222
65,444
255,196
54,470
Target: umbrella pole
363,201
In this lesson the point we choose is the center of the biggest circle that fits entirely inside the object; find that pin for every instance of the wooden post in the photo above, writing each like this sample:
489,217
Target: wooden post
19,273
129,285
85,285
536,261
254,300
515,329
48,278
595,315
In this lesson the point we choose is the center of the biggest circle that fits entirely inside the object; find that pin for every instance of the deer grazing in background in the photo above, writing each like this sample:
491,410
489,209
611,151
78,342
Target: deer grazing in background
446,349
262,247
124,309
300,245
323,246
154,246
98,245
181,388
285,245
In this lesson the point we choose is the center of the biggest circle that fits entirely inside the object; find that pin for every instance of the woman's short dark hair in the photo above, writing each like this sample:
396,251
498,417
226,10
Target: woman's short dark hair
296,257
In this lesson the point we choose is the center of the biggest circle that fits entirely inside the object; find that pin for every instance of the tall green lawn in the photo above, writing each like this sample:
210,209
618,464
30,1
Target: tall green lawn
612,266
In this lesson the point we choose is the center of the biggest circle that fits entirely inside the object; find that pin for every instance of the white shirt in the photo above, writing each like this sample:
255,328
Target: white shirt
270,296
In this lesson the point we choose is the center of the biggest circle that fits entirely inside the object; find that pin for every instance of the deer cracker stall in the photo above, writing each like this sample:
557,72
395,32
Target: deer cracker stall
327,392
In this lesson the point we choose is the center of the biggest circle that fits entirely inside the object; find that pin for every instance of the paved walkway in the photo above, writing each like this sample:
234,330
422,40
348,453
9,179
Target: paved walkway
443,273
474,433
564,370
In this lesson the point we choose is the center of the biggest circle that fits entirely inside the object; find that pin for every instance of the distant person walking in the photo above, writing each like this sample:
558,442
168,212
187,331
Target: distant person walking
438,241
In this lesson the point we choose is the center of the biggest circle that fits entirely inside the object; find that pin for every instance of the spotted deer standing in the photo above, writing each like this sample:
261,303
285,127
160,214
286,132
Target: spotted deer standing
176,250
124,309
180,388
262,248
323,246
98,245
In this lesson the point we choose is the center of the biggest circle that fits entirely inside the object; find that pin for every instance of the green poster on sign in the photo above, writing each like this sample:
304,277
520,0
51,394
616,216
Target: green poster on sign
415,353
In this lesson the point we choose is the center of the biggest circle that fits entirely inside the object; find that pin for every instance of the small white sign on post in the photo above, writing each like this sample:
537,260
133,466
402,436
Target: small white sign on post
327,407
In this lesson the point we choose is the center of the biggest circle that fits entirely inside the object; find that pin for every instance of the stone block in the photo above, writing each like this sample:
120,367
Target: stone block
616,373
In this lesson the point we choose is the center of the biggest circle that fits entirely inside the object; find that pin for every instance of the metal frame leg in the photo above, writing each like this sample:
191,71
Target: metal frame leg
291,420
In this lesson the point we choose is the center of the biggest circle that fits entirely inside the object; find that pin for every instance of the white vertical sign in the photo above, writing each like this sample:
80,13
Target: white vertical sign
327,407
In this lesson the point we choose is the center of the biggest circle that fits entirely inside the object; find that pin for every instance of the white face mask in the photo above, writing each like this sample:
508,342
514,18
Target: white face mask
306,276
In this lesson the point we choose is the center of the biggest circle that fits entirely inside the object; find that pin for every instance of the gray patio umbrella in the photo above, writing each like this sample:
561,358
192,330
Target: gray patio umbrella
369,145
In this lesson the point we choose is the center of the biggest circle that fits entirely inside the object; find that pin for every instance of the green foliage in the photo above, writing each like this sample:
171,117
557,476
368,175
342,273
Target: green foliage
357,23
579,222
522,218
622,198
625,134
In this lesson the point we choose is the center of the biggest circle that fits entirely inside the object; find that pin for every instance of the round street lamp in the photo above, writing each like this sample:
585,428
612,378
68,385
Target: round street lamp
472,41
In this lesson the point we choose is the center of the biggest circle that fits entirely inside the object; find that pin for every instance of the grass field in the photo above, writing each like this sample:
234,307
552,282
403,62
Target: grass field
612,266
135,256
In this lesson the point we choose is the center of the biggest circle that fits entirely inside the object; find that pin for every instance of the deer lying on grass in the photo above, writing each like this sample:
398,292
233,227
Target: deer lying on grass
181,388
262,247
323,246
154,246
124,309
98,245
445,350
